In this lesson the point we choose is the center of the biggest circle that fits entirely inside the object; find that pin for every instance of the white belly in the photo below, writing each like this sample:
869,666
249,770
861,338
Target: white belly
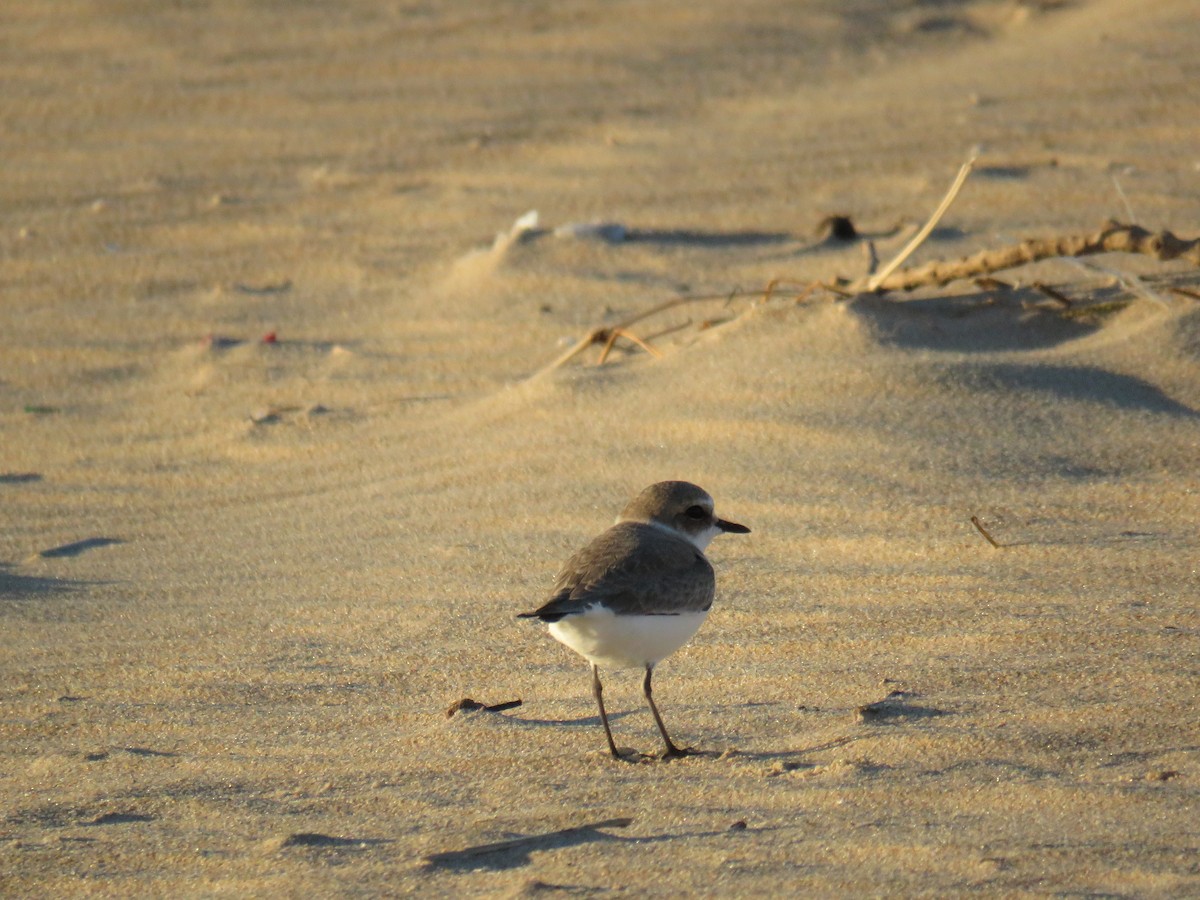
620,642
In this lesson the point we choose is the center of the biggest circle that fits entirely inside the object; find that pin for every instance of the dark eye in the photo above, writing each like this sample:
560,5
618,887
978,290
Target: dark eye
696,512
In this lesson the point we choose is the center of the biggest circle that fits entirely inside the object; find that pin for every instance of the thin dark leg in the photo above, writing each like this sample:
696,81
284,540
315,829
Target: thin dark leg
598,693
672,750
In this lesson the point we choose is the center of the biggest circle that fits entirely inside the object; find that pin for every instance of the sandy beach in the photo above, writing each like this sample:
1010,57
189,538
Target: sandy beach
284,447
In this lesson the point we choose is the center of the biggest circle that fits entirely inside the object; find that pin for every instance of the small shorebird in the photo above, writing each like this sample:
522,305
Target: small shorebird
636,593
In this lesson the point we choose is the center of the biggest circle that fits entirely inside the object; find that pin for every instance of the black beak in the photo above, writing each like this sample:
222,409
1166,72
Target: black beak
732,527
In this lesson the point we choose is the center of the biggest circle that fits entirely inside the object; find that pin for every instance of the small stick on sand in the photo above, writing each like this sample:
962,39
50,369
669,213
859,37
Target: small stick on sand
501,707
468,704
874,282
979,525
1053,293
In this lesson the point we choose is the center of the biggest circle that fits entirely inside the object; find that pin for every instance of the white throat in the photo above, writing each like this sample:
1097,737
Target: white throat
700,539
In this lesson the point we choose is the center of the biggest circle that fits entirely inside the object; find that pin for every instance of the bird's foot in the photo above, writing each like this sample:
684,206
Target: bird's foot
673,752
625,755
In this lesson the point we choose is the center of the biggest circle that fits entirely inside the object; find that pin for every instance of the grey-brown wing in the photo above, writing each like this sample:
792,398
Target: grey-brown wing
633,569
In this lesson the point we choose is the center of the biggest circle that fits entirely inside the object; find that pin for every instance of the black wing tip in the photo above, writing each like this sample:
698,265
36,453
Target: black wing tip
544,616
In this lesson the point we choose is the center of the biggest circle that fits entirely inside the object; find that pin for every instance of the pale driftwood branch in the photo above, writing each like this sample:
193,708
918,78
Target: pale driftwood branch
1113,238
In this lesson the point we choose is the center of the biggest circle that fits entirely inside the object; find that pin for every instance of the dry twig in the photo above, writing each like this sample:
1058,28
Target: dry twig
875,281
1053,293
979,527
628,335
606,335
468,704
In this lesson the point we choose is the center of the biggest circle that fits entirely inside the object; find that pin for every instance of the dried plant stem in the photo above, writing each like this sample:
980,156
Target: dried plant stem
606,334
628,335
1113,238
874,281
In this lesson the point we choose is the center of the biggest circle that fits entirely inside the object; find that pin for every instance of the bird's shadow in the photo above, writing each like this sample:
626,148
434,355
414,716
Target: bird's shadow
515,853
577,721
895,709
633,756
24,587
